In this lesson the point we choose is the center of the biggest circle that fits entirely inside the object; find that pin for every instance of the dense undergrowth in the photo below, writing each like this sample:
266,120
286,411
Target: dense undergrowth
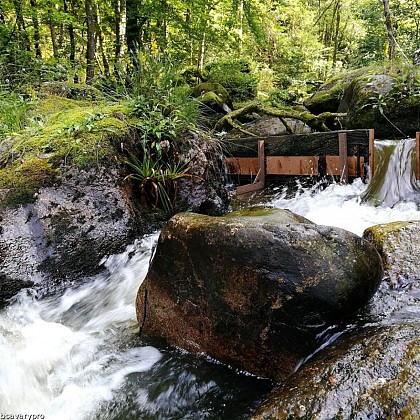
134,119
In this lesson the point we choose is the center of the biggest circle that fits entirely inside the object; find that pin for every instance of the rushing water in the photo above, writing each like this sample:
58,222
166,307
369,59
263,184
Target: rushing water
74,353
392,195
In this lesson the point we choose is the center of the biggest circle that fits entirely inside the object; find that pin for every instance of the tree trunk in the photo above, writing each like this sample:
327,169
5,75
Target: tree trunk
120,28
20,22
72,55
133,27
241,26
316,122
35,22
202,50
91,41
101,43
390,30
336,34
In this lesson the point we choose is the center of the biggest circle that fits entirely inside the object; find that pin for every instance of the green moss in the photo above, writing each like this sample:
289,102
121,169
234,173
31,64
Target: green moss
24,178
379,235
334,88
76,132
61,131
256,211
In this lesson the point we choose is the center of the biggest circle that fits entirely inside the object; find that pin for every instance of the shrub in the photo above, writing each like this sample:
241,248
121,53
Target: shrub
235,75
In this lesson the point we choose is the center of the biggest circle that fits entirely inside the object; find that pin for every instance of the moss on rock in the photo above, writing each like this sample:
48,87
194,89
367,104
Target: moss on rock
21,180
61,131
329,95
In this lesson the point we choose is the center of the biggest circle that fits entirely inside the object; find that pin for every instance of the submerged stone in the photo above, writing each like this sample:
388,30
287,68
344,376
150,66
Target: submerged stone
252,289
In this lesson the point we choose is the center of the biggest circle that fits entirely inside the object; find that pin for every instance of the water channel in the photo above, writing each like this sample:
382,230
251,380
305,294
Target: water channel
74,353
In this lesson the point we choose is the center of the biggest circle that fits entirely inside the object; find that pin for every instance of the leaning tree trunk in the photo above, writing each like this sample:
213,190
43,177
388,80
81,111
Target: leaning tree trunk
390,30
91,41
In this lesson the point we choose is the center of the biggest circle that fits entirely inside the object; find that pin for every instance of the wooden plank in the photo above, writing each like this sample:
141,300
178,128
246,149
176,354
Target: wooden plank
242,166
261,162
311,144
342,147
334,168
243,189
418,155
292,165
371,151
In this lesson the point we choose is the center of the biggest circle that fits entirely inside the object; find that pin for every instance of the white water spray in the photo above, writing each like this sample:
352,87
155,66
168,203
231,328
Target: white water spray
349,206
62,357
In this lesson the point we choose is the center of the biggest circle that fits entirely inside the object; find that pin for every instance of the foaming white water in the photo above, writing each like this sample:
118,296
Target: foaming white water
62,357
342,206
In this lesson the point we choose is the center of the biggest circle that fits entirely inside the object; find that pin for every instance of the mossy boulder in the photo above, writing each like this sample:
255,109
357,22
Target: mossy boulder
398,243
213,96
374,374
384,98
62,202
20,181
328,97
252,288
65,201
367,101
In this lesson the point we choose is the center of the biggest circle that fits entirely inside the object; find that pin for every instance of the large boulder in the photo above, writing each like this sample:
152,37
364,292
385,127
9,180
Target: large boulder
253,288
398,297
328,97
373,375
203,190
66,231
367,103
382,99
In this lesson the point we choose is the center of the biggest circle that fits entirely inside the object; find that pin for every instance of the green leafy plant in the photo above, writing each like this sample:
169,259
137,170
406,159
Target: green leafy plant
14,109
157,180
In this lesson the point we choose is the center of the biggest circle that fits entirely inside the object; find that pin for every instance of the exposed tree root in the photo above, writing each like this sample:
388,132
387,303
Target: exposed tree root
316,122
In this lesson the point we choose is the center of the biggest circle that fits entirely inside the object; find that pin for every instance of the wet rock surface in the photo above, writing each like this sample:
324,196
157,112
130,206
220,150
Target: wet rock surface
398,243
373,370
372,375
398,297
203,190
66,232
252,289
67,229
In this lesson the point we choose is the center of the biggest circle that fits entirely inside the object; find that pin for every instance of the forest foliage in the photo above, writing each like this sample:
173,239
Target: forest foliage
149,55
289,41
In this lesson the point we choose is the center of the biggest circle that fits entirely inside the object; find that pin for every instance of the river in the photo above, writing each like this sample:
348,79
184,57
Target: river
74,353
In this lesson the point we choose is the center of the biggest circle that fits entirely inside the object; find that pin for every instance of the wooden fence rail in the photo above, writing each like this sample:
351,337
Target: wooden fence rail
342,154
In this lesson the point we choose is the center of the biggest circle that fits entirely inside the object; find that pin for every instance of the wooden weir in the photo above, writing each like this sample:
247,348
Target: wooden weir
342,154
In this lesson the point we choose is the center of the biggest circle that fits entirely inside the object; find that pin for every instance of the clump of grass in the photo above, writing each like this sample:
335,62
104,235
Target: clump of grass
14,109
